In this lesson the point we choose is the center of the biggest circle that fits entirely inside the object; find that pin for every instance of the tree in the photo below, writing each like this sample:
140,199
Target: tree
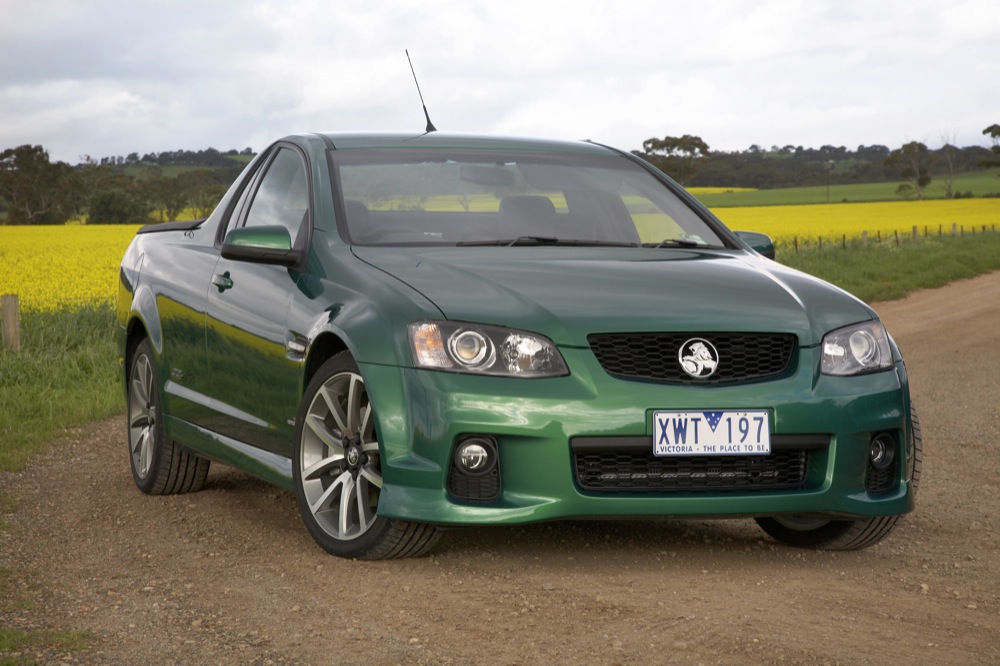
117,207
203,190
169,194
914,163
680,157
37,191
948,156
993,131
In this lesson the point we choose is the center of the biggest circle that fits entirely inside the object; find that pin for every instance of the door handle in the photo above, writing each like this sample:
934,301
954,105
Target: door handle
223,281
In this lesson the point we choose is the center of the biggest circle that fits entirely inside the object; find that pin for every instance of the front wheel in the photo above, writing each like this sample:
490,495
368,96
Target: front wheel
825,534
337,471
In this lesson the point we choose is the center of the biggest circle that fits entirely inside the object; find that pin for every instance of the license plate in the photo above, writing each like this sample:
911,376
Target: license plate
711,433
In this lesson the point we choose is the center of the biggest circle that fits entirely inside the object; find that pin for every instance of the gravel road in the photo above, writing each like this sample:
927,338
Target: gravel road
230,576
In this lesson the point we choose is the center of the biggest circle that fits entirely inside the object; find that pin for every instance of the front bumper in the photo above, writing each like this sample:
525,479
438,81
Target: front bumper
423,414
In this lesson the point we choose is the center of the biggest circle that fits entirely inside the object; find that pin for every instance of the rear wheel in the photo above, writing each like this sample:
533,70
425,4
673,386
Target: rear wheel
337,471
821,533
159,467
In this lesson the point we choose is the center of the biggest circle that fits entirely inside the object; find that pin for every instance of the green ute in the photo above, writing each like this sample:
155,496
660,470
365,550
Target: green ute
419,332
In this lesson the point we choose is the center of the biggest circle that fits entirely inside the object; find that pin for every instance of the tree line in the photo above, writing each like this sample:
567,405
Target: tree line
129,189
113,190
689,161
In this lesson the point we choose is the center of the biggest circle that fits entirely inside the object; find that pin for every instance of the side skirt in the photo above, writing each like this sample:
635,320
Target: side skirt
263,464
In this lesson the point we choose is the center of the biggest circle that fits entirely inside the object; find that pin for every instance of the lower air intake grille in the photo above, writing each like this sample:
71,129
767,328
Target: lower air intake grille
881,480
474,488
635,469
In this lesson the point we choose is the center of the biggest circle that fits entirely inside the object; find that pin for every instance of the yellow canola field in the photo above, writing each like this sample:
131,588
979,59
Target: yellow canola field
834,221
50,267
70,266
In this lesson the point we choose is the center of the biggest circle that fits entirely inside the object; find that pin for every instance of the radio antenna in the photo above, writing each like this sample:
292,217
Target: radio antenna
430,125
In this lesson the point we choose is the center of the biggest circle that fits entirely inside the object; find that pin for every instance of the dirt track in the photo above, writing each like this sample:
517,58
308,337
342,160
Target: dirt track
229,575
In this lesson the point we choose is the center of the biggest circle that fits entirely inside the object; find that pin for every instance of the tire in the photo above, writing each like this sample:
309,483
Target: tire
823,534
336,471
159,466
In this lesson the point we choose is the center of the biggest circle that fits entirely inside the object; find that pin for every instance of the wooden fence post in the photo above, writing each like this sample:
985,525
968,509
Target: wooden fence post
10,315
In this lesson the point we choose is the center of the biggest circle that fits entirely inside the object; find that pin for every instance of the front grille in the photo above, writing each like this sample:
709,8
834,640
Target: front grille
654,356
606,466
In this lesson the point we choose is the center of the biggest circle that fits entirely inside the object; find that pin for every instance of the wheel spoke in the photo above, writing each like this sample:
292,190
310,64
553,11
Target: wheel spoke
367,424
139,393
322,467
139,420
139,440
371,475
144,452
365,514
354,393
333,404
316,424
348,492
324,500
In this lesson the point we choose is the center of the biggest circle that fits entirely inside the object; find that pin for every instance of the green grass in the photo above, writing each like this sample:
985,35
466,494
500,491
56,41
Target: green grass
18,646
18,642
885,271
64,375
980,183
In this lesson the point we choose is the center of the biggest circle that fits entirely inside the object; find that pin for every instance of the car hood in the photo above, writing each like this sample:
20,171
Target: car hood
567,293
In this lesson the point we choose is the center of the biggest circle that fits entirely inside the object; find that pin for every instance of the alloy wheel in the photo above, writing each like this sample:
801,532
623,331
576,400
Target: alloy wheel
339,458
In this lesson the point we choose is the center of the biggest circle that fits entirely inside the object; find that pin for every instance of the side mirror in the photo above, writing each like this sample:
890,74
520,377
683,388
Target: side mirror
760,243
262,245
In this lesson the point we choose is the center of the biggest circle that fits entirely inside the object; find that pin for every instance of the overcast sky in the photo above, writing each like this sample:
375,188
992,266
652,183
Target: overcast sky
110,77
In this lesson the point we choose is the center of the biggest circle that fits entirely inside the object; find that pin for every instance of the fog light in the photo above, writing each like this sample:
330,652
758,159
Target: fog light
476,456
882,452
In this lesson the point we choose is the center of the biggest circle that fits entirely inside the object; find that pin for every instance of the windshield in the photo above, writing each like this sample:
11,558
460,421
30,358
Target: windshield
464,197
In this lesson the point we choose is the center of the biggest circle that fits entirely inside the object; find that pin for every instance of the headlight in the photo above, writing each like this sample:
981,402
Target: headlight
857,349
486,350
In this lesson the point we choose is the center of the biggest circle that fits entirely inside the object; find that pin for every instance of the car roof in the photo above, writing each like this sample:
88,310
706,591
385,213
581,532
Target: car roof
451,140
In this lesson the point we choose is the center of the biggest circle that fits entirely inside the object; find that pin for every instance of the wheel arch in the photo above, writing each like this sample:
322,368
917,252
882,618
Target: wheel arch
135,332
134,335
326,345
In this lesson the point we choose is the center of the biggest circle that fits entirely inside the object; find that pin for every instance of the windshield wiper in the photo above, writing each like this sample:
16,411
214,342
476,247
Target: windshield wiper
533,240
675,242
548,240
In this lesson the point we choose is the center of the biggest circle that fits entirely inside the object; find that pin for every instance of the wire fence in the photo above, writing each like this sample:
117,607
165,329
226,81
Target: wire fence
880,239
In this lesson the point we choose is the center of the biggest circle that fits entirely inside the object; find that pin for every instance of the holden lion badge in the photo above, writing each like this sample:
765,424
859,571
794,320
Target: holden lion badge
698,358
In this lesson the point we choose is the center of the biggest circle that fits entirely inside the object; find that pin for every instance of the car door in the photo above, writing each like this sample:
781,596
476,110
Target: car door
254,380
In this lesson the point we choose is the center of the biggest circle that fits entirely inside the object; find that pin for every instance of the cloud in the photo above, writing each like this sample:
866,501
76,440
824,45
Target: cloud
116,77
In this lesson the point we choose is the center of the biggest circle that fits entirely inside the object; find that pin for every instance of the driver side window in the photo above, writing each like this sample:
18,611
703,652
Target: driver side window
283,195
